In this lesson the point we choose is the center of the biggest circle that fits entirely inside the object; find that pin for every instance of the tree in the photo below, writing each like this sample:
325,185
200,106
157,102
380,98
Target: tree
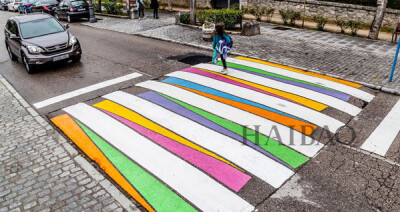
170,5
378,19
98,9
192,12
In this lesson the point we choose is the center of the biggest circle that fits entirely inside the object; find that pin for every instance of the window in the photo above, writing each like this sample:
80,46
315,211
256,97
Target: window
78,3
40,27
12,27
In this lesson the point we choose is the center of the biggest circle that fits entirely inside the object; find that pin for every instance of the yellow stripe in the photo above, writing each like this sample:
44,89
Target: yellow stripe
304,101
136,118
352,84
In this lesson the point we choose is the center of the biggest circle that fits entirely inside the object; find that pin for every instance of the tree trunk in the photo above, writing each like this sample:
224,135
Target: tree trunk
99,6
170,5
378,19
192,12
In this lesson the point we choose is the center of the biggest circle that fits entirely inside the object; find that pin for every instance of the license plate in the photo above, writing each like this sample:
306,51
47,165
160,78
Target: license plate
81,9
62,57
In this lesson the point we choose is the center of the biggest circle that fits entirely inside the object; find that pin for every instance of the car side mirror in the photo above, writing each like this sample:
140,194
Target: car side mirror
14,37
66,26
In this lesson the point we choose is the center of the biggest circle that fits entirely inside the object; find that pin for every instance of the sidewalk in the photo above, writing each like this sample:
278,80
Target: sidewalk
40,171
351,58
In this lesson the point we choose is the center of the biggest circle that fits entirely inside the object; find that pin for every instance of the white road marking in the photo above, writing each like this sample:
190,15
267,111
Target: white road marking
313,95
316,80
84,90
300,111
383,136
247,158
194,185
289,137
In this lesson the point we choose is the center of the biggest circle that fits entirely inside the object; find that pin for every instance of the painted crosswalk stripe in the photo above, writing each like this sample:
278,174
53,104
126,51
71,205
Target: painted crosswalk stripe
256,87
383,136
84,90
229,176
194,185
289,137
247,158
304,113
291,81
284,153
320,81
319,97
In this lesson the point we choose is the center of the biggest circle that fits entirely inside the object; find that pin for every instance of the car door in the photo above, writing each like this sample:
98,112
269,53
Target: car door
60,11
64,9
12,29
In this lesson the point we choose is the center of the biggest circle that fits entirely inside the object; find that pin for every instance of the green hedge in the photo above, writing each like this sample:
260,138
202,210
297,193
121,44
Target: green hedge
228,17
394,4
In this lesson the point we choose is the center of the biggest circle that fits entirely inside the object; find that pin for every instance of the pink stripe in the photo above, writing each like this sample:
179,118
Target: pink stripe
223,172
220,78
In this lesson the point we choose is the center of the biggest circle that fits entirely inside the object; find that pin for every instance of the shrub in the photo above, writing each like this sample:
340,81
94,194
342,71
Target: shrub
285,16
228,17
269,12
354,26
257,12
113,8
342,24
321,21
394,4
184,18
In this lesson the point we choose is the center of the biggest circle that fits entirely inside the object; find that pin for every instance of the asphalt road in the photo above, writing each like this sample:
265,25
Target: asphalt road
106,55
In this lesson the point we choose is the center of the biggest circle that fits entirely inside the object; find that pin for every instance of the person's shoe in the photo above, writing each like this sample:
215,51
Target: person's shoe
224,71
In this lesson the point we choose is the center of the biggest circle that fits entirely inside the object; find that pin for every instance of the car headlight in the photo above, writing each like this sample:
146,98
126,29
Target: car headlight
72,41
35,49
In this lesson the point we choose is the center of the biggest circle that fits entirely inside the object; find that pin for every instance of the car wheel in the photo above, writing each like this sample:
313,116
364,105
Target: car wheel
77,58
69,19
25,11
29,68
12,55
56,15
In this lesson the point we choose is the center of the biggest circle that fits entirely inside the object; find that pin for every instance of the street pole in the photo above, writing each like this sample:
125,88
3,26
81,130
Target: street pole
92,19
304,12
395,61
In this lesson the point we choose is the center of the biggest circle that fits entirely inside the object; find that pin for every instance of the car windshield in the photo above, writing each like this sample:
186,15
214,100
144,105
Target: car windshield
78,3
40,27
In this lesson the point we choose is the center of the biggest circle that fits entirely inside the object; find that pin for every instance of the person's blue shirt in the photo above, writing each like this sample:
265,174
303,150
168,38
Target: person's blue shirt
217,38
137,3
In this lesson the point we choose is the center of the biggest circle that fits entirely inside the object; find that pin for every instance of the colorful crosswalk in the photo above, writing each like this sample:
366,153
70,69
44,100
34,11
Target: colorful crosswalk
196,139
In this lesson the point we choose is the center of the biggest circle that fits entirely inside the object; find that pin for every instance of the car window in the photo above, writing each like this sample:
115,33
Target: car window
12,27
40,27
18,0
49,2
78,3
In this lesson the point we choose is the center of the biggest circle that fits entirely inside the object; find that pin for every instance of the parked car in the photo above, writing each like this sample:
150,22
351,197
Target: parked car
72,9
4,4
45,6
39,39
26,5
13,5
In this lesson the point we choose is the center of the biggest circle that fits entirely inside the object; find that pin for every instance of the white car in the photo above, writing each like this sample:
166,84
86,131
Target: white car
13,5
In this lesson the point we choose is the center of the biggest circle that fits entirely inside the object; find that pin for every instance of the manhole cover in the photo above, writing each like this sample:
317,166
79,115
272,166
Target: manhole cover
192,58
281,28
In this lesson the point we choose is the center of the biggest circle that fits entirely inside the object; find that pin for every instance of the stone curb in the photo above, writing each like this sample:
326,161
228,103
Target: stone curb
105,183
372,86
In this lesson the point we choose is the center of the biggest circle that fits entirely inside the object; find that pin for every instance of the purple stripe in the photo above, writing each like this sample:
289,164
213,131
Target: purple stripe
223,79
157,99
342,96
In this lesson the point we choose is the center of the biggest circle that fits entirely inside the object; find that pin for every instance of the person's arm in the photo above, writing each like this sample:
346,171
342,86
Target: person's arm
214,42
227,38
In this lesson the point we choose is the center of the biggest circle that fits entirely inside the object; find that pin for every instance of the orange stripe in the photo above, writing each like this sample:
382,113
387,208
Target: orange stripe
76,134
352,84
287,121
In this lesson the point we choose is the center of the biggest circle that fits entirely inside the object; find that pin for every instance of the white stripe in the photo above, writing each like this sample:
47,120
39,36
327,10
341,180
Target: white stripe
241,117
383,136
194,185
249,159
88,89
316,80
313,95
300,111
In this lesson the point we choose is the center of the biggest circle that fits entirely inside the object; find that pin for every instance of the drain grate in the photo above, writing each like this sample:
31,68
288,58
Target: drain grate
192,58
281,28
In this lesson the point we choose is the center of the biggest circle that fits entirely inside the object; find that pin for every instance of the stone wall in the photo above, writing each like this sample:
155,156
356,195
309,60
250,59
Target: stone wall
329,10
186,3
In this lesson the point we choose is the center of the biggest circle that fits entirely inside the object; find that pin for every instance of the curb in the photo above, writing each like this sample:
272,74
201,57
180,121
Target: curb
369,85
96,176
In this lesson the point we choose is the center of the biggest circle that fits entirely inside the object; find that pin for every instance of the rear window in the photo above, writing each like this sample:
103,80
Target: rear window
78,3
18,0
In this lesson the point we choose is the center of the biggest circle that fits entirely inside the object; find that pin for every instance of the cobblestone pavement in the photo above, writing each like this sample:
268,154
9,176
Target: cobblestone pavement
40,171
351,58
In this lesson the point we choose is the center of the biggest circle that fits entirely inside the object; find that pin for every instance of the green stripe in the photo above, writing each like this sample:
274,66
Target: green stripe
156,194
233,65
289,156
